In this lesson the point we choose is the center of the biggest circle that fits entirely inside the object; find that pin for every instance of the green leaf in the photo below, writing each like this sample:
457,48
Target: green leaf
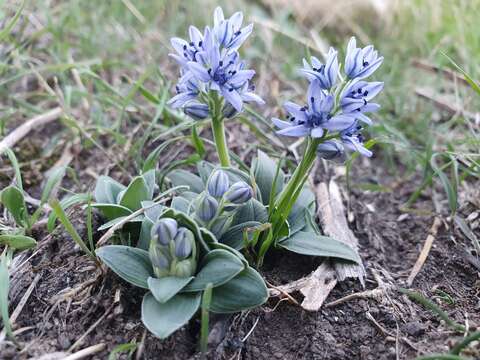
152,212
264,170
149,178
164,319
112,211
309,243
197,142
55,177
253,210
473,84
18,242
165,288
182,177
234,236
136,192
152,158
12,198
107,190
145,234
65,204
16,168
128,347
4,289
245,291
131,264
205,168
180,203
217,267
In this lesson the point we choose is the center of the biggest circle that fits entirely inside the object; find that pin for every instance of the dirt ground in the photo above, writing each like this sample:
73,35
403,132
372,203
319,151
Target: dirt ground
73,305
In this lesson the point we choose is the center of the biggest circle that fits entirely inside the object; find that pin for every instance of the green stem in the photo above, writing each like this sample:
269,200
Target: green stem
218,129
288,196
206,300
457,349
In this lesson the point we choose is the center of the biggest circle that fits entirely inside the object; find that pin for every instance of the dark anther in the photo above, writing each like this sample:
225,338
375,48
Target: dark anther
364,102
365,63
184,47
220,63
192,44
209,71
365,93
200,43
238,33
231,89
234,72
312,99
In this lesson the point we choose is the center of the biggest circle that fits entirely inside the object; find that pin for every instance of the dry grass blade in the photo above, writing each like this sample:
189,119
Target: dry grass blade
34,123
425,251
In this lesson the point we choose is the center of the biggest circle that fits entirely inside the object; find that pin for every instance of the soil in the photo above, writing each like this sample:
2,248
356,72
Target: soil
76,305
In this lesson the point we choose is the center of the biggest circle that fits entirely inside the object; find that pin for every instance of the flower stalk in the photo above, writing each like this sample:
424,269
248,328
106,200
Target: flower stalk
218,129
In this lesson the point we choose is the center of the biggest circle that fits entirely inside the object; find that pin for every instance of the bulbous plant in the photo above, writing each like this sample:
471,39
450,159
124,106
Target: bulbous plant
182,261
116,201
244,208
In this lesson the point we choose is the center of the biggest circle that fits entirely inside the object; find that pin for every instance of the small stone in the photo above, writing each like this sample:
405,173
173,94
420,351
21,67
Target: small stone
414,328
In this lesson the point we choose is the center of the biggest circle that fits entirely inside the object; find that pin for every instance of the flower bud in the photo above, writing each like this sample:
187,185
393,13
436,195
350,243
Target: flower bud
184,268
239,193
184,242
331,150
229,111
206,208
165,230
160,258
218,183
197,110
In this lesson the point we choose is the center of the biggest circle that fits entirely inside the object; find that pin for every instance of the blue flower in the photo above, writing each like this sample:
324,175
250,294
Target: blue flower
224,74
187,51
325,73
331,150
353,140
361,63
229,33
356,98
187,89
313,119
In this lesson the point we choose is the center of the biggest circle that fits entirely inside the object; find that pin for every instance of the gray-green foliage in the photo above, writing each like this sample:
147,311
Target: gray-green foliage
174,297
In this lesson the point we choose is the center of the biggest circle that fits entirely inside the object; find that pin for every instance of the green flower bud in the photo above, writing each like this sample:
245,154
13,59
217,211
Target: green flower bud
160,258
206,208
165,230
239,193
184,268
218,183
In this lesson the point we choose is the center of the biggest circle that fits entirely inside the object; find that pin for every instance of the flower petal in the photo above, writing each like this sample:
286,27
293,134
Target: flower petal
199,71
233,97
294,131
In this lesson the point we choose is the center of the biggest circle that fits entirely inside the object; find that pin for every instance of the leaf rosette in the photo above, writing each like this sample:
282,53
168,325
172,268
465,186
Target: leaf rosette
181,261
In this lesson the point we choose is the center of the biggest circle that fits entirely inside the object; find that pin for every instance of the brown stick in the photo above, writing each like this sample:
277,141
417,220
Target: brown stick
34,123
425,250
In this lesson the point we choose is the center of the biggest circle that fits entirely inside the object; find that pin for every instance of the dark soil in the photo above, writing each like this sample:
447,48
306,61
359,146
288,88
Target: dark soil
75,303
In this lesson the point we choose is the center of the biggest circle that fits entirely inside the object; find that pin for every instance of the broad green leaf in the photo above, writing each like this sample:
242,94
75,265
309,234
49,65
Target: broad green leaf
145,234
237,253
217,267
245,291
305,201
136,192
234,236
18,242
180,203
182,177
264,171
112,211
149,178
165,288
107,190
164,319
131,264
253,210
12,198
309,243
152,211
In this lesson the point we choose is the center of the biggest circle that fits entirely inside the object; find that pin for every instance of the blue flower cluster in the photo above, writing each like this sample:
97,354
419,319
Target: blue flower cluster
336,107
211,62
